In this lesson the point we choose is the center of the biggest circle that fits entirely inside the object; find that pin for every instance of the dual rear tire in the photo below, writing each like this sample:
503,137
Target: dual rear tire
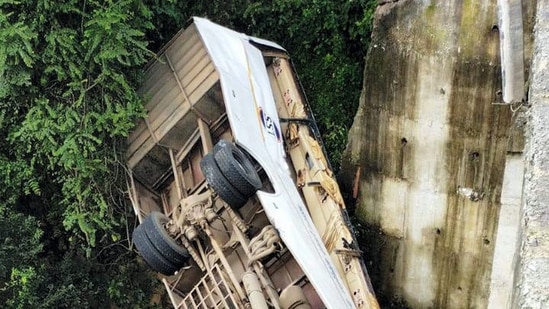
159,250
230,173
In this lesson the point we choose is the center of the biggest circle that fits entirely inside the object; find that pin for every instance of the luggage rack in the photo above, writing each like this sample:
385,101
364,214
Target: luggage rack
211,292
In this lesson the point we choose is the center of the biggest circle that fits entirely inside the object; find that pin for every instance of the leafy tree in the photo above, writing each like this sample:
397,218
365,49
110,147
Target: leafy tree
68,78
68,95
20,242
70,281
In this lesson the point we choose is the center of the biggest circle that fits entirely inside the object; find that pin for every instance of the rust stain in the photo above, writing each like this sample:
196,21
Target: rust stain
474,154
356,183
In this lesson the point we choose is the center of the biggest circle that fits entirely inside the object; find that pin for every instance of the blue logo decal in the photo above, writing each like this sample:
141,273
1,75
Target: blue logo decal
270,125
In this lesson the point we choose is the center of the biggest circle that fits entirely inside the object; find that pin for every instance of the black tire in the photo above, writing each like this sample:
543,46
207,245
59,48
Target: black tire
237,168
162,241
220,184
152,257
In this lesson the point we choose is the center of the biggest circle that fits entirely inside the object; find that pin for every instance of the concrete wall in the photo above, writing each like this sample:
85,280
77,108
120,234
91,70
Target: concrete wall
431,148
532,268
503,266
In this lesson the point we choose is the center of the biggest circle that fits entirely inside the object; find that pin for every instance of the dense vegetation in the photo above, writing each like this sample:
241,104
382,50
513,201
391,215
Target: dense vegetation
69,72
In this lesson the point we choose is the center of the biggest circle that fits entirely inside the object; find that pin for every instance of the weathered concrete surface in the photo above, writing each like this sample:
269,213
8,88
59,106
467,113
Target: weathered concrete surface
532,280
506,244
502,283
431,149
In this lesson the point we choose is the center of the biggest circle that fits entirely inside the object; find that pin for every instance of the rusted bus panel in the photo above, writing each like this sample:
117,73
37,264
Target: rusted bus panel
172,96
312,296
184,41
191,174
314,179
172,198
207,109
155,169
285,271
188,175
170,117
194,165
152,166
176,91
147,200
192,51
180,132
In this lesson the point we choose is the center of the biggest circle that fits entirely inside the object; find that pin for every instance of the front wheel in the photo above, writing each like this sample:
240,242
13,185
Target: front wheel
155,227
152,257
157,247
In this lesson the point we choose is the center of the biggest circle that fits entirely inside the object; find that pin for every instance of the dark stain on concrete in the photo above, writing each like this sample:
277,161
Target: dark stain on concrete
375,244
475,154
476,149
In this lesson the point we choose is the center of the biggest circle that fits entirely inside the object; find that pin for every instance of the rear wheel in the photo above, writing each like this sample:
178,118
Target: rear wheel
163,242
151,256
237,168
157,247
220,184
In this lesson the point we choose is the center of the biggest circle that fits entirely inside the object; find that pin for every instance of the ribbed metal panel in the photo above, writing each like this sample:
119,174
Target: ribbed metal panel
176,80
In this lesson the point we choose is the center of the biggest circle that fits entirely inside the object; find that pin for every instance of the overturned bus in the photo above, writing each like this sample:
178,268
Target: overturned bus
237,203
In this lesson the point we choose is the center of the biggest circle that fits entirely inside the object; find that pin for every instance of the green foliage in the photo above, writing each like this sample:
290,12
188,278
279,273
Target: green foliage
16,53
68,77
32,276
23,282
75,73
20,241
76,283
